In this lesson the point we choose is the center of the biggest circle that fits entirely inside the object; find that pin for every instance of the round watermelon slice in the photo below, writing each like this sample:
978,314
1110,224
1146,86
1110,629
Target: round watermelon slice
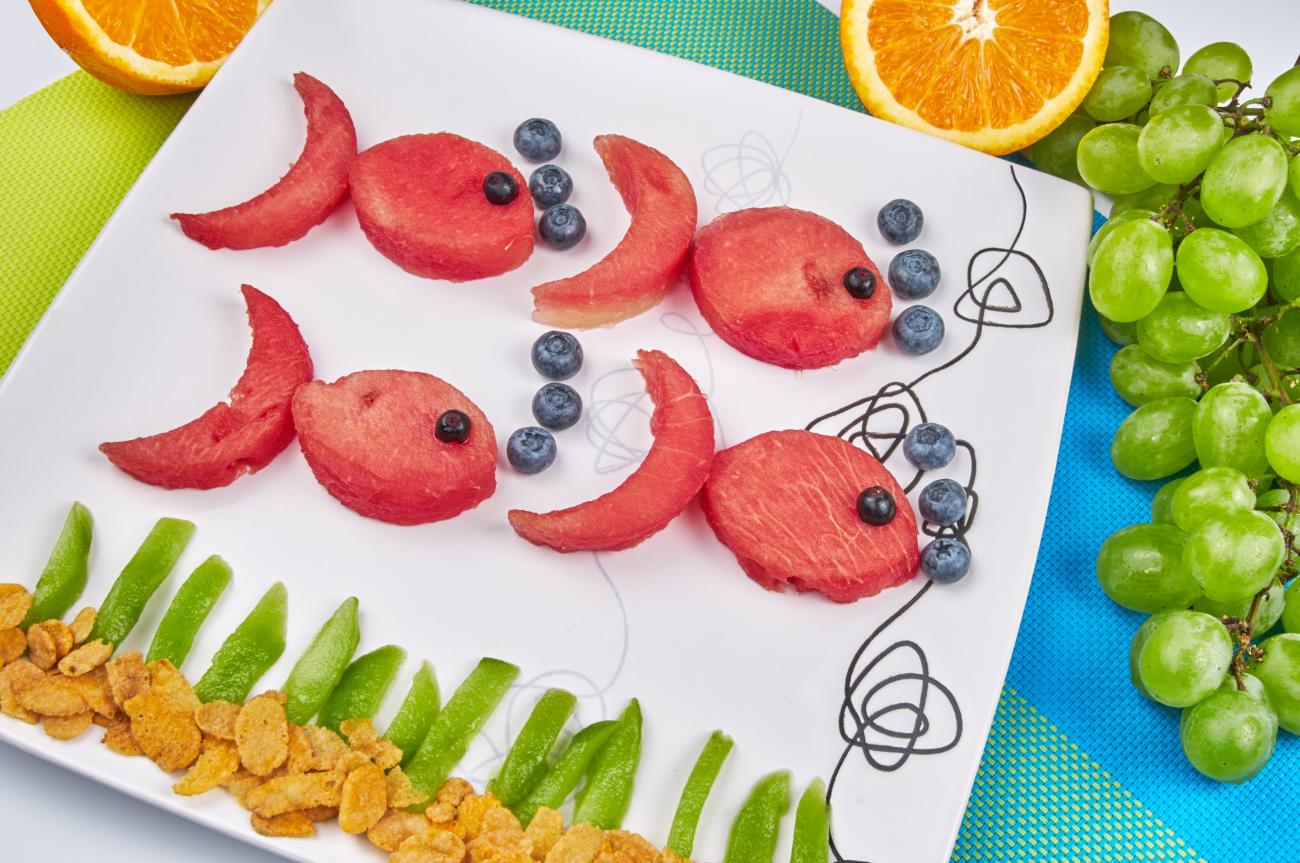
648,260
420,201
785,503
658,490
770,281
315,184
369,438
235,438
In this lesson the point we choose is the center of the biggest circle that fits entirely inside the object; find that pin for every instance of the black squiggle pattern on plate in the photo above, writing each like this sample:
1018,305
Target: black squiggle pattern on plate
887,717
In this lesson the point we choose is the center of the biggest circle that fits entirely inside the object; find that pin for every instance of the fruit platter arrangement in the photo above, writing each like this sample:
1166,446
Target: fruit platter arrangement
542,388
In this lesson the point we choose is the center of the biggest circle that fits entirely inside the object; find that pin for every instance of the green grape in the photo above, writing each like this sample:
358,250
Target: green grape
1229,736
1229,427
1179,657
1178,330
1284,112
1279,671
1151,198
1278,232
1109,225
1225,363
1189,88
1132,270
1286,276
1220,272
1282,443
1211,492
1141,567
1282,338
1162,504
1179,143
1140,378
1220,60
1107,159
1291,607
1155,440
1140,41
1244,180
1234,557
1290,384
1271,608
1056,152
1118,92
1120,334
1293,176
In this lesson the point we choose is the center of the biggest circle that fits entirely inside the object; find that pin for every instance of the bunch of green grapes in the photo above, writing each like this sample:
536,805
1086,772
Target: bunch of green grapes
1197,276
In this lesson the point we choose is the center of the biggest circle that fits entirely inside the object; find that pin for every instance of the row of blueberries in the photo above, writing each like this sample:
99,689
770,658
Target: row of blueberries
556,406
562,225
928,446
913,274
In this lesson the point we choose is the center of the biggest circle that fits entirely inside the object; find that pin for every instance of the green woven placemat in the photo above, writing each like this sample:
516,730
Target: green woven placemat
70,152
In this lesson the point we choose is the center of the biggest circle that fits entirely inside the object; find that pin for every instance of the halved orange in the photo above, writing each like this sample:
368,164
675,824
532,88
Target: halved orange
149,46
995,75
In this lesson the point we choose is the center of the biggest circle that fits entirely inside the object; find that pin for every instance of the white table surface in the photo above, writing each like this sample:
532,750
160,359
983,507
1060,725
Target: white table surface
105,826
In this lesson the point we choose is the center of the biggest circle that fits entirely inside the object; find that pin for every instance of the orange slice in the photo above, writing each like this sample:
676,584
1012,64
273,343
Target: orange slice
995,75
149,46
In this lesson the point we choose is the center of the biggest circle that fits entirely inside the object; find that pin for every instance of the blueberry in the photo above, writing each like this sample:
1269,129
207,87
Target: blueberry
452,427
942,502
914,274
562,226
500,188
945,560
918,330
900,221
550,185
538,140
557,406
530,449
876,506
929,446
557,355
860,283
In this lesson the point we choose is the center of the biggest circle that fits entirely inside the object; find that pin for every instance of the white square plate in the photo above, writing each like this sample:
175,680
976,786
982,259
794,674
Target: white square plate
150,331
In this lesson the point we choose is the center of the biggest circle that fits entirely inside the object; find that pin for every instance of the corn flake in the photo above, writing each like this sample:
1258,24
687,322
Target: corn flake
360,733
580,844
13,644
327,750
396,827
321,813
9,675
262,734
296,791
117,737
49,696
168,736
441,846
67,727
86,658
217,718
42,650
289,824
93,687
127,677
627,846
170,685
364,799
470,812
218,762
401,792
82,624
241,785
453,791
543,831
15,602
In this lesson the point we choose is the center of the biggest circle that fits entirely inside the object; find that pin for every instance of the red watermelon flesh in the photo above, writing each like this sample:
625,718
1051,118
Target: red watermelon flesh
315,184
658,490
369,438
420,202
785,503
770,281
649,259
235,438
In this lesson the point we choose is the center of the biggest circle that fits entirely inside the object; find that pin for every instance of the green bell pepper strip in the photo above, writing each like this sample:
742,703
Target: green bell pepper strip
754,832
604,799
249,651
363,686
812,826
143,574
681,838
64,576
558,782
525,763
409,727
320,668
190,606
463,717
